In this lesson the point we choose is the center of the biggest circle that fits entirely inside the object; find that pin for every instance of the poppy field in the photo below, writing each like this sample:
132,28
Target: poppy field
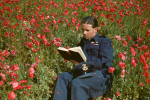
32,30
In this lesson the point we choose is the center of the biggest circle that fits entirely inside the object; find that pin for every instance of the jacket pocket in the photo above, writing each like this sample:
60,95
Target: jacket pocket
93,51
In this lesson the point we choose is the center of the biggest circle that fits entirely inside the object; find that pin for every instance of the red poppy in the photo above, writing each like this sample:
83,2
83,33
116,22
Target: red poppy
118,38
3,76
33,50
14,67
1,83
5,24
145,66
142,84
56,26
54,21
122,73
65,12
38,35
32,21
31,72
145,74
13,52
102,23
111,69
120,55
121,64
18,87
11,95
139,40
142,58
27,87
6,34
22,81
148,81
117,94
37,60
128,37
148,31
84,8
133,62
132,51
135,45
144,47
111,20
112,9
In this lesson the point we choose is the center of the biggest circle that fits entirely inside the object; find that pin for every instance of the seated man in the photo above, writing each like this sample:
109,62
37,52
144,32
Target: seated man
90,79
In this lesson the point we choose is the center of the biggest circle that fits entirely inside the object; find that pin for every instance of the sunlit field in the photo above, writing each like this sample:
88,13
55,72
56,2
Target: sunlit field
32,30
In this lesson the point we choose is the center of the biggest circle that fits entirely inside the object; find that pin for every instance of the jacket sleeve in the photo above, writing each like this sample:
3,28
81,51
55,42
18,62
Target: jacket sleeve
105,56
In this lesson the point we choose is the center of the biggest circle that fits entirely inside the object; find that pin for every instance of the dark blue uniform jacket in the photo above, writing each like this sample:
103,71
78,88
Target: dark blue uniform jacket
97,81
99,54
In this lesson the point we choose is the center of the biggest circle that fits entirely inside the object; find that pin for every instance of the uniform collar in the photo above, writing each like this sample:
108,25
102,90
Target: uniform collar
95,38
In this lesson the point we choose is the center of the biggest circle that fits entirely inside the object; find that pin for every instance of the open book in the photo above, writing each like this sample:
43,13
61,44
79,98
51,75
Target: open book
74,53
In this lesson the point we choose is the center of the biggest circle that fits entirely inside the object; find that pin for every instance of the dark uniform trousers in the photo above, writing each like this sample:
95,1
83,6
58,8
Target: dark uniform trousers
78,85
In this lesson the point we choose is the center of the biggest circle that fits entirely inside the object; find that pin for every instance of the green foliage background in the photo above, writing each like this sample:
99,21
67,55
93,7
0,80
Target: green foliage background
52,63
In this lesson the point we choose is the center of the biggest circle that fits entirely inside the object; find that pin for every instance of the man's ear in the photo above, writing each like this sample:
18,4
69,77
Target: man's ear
95,29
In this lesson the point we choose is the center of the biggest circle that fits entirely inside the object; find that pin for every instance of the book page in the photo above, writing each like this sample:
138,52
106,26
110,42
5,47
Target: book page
79,50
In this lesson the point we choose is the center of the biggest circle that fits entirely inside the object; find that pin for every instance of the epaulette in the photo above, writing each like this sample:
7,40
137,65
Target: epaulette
102,36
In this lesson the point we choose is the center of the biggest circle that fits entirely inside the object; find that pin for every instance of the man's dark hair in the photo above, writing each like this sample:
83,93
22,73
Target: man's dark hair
90,20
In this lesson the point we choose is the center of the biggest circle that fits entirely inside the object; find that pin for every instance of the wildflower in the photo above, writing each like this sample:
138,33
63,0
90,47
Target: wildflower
5,24
142,84
111,20
145,66
67,47
108,98
31,72
3,76
54,21
139,49
65,12
142,58
6,34
128,38
14,67
37,60
133,62
132,51
139,40
33,50
148,31
111,69
120,55
56,26
102,23
22,81
148,81
32,21
135,45
1,83
14,84
27,87
112,10
145,74
117,94
144,47
117,37
11,95
121,64
122,73
13,52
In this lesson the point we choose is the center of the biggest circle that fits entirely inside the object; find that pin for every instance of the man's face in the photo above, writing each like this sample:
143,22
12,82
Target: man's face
88,32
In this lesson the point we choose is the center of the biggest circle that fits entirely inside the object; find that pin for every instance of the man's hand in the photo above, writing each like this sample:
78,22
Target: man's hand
74,62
